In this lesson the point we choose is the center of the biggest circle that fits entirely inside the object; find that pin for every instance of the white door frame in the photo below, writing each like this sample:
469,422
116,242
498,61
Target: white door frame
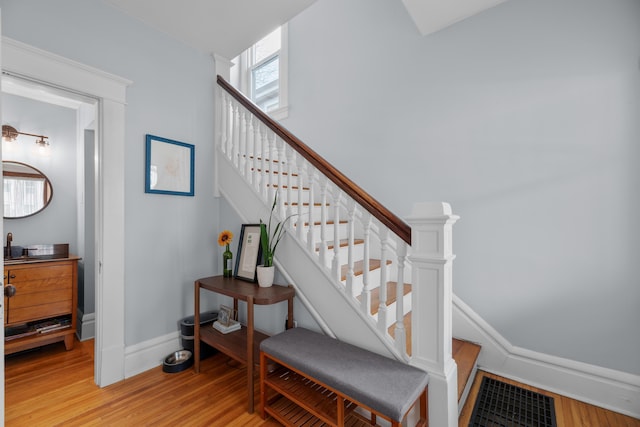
32,63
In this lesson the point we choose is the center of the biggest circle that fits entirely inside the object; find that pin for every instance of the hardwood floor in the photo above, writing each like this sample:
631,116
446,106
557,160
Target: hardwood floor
54,387
569,412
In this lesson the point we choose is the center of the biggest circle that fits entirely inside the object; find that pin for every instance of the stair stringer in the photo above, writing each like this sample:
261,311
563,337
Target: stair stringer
607,388
340,312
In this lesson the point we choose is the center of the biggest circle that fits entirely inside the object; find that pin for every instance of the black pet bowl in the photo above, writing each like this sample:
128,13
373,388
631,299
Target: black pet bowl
177,361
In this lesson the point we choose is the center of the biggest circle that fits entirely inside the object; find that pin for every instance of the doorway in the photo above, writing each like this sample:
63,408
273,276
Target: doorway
109,94
68,120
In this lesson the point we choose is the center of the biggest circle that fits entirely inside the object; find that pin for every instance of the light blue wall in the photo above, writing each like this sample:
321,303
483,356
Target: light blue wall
57,223
525,119
170,240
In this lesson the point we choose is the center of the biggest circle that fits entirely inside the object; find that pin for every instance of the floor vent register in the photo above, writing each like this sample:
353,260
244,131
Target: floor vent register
504,405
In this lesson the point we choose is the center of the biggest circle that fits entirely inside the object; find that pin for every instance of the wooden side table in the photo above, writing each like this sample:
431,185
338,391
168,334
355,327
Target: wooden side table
243,345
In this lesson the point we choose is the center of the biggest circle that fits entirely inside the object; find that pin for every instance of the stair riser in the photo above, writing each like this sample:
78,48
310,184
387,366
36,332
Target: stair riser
343,255
391,310
342,231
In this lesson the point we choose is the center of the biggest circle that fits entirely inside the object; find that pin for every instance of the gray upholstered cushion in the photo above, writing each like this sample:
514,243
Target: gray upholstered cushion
388,386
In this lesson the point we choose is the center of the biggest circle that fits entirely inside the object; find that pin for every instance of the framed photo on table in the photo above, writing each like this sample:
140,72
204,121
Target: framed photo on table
168,167
249,252
226,315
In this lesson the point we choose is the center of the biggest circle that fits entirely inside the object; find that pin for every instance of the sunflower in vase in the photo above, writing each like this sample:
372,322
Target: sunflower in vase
224,239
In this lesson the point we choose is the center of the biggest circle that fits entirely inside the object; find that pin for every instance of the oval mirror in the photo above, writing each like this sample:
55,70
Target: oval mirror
27,191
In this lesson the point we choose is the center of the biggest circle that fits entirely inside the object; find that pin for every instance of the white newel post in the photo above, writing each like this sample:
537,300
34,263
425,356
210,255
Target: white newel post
432,258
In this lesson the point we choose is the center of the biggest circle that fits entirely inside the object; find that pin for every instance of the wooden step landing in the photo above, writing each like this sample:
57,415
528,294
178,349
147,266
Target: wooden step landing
465,354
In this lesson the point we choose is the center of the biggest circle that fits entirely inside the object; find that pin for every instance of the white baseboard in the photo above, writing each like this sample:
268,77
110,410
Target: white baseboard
86,329
607,388
149,354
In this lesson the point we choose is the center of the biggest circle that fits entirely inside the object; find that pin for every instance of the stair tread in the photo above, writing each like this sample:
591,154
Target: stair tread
293,187
305,204
465,354
358,268
342,243
330,222
275,172
391,295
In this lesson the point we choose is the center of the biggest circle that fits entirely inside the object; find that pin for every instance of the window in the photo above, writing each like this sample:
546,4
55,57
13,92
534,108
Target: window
261,73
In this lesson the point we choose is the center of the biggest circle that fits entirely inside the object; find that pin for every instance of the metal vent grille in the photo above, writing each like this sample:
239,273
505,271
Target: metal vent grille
504,405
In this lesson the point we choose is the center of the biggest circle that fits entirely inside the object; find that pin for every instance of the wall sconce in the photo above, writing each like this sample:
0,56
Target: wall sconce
9,133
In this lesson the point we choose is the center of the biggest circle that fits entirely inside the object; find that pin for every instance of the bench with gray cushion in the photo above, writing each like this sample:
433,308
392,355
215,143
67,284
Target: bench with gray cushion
384,386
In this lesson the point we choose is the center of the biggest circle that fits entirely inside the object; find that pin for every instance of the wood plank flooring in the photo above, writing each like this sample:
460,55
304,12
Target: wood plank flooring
53,387
569,412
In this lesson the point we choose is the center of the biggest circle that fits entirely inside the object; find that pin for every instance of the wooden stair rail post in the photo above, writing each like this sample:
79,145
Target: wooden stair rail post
432,258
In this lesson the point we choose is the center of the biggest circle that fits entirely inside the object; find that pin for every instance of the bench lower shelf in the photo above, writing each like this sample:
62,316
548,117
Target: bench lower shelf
292,414
295,400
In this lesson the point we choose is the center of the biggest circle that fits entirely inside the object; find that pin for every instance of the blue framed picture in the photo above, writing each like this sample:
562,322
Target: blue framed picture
169,167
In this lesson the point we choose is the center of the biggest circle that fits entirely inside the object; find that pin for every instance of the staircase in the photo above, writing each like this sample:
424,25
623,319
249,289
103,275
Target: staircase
366,276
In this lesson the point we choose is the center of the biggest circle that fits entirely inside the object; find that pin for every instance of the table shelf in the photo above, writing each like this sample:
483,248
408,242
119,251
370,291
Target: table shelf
233,344
242,345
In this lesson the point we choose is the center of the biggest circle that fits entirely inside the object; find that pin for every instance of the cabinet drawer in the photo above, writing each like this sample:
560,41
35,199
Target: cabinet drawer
51,274
36,312
52,284
22,299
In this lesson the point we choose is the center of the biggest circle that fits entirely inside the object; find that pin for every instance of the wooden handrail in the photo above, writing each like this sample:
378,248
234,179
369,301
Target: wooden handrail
375,208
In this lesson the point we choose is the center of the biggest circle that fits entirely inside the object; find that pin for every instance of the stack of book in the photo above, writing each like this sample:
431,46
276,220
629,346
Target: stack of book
233,325
33,328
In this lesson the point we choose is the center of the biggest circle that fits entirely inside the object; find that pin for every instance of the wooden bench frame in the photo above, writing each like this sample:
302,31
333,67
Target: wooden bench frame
296,398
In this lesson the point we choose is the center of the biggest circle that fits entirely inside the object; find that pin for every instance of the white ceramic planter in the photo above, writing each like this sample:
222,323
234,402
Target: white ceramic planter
265,275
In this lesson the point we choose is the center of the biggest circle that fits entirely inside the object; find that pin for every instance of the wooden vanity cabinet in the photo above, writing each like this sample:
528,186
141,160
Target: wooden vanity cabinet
36,291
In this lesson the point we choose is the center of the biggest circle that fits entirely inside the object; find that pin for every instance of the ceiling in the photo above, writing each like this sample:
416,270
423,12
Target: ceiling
433,15
227,27
223,27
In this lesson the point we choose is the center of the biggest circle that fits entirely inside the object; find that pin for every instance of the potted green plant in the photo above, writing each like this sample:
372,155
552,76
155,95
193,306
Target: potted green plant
269,241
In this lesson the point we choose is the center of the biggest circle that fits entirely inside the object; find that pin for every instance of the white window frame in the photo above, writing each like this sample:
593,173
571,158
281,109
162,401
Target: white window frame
246,65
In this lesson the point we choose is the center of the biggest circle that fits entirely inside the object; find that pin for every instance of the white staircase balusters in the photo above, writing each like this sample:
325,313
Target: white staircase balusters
250,149
236,134
311,245
365,297
224,122
400,332
323,248
291,158
300,184
273,167
351,215
264,166
382,307
242,144
257,149
335,262
282,164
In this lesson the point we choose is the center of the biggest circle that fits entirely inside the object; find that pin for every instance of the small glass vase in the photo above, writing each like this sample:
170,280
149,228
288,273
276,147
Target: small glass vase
227,262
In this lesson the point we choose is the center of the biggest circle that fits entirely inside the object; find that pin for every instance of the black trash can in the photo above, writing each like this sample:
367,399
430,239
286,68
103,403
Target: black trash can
187,333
